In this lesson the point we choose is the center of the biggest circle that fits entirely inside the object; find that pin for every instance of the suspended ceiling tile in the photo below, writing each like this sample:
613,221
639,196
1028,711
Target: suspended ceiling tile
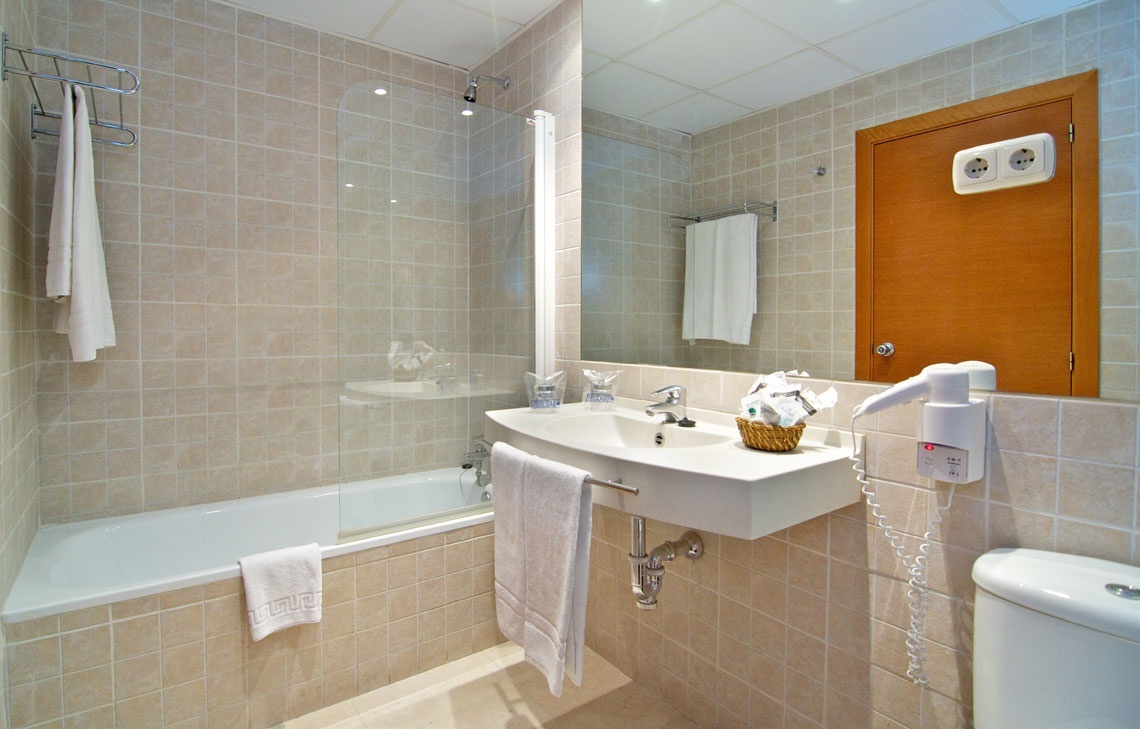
616,27
627,91
519,12
818,20
714,47
918,32
791,78
592,62
696,113
443,31
353,18
1026,10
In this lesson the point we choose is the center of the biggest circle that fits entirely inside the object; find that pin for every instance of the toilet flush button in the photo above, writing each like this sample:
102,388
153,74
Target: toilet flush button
1126,591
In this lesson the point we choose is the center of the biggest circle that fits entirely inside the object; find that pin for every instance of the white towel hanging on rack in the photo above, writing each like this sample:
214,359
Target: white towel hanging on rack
84,312
720,279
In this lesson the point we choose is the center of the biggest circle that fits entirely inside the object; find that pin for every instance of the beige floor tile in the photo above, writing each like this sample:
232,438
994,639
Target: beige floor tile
497,689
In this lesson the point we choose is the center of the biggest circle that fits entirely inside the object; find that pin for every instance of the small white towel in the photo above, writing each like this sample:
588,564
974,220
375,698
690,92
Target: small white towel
282,588
83,309
542,560
720,279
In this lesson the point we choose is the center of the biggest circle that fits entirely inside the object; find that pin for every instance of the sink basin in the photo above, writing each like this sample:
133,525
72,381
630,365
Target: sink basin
701,477
615,428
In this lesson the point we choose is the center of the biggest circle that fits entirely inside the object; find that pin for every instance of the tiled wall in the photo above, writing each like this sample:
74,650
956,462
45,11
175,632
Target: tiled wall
806,627
221,234
185,658
19,471
633,261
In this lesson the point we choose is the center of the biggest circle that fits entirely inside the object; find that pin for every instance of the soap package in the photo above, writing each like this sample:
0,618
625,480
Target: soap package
777,400
545,393
601,389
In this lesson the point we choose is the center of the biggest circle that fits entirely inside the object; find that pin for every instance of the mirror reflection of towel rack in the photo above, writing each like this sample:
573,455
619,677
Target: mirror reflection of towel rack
680,221
67,69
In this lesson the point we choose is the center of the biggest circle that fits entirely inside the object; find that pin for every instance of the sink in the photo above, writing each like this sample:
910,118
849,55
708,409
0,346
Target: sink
701,477
619,428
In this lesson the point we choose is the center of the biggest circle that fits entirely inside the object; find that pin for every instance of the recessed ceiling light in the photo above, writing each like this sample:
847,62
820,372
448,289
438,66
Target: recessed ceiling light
349,184
379,91
467,112
393,200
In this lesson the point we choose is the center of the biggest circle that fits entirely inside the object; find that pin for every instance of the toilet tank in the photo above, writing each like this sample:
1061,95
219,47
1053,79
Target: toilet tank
1053,648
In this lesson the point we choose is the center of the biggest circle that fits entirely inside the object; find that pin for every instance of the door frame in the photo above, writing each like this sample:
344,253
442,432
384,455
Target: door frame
1082,90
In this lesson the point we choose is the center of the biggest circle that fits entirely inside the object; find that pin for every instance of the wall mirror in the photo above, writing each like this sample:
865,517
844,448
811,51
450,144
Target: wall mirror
700,106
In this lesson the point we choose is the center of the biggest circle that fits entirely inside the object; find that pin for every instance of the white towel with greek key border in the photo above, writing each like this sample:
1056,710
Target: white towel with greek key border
282,588
542,560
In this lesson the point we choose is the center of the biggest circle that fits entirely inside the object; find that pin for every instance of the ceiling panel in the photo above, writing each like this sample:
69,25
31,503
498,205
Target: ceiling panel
353,18
818,20
698,111
791,78
519,12
454,34
627,91
1026,10
714,47
932,27
616,27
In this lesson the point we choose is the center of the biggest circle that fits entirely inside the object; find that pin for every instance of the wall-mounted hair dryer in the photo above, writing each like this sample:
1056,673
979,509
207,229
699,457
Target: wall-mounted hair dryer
951,425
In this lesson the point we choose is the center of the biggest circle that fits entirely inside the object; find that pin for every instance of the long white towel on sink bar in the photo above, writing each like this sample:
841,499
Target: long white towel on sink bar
282,588
542,560
720,279
77,268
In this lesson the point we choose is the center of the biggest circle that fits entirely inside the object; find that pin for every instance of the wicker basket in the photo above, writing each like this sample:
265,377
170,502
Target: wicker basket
764,437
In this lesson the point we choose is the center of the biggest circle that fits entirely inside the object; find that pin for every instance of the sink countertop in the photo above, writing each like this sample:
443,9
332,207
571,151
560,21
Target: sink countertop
720,486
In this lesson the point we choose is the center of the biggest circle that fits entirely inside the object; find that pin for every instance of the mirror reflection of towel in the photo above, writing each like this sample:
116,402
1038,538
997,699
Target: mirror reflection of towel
720,279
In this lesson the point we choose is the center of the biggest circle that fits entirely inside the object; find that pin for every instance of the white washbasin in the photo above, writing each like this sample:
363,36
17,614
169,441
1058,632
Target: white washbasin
701,477
623,429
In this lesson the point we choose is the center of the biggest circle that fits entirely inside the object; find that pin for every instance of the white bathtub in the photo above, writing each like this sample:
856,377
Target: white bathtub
97,562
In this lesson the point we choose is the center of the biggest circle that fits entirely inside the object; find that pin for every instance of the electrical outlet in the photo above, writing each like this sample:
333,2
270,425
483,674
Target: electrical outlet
1009,163
975,167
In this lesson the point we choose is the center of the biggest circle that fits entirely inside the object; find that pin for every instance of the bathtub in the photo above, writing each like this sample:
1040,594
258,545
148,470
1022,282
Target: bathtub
101,561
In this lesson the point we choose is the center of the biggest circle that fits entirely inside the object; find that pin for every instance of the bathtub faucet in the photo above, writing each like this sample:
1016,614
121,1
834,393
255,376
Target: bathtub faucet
478,458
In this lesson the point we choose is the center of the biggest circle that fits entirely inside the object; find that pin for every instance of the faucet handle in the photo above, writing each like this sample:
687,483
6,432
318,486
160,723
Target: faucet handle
674,393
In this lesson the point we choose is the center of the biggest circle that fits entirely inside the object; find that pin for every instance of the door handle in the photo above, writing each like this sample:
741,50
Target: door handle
886,349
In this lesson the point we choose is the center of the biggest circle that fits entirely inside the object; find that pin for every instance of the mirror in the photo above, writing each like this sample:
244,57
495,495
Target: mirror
670,129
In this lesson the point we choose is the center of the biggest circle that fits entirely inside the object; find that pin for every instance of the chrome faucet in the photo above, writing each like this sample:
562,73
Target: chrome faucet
672,407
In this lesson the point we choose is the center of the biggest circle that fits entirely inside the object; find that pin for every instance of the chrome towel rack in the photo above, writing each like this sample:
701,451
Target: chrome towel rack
680,221
95,75
616,485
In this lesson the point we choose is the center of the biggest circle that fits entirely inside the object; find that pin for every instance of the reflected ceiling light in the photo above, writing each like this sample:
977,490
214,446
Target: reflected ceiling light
393,200
467,111
379,91
349,184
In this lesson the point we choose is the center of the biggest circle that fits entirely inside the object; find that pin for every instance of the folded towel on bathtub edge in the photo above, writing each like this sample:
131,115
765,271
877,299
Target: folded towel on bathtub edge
282,588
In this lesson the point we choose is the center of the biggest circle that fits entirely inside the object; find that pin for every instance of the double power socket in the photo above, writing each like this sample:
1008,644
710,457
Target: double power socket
1025,160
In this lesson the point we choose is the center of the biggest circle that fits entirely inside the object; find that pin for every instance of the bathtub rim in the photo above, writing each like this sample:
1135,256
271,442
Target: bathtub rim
10,614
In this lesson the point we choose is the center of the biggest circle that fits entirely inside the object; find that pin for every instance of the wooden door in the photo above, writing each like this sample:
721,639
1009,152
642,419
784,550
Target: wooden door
988,276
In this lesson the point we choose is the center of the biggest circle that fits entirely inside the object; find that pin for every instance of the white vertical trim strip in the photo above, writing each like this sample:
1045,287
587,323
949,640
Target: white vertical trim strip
544,215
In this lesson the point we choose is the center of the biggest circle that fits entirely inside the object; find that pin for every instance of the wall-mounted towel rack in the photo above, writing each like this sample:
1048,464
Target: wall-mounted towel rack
680,221
65,69
616,485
